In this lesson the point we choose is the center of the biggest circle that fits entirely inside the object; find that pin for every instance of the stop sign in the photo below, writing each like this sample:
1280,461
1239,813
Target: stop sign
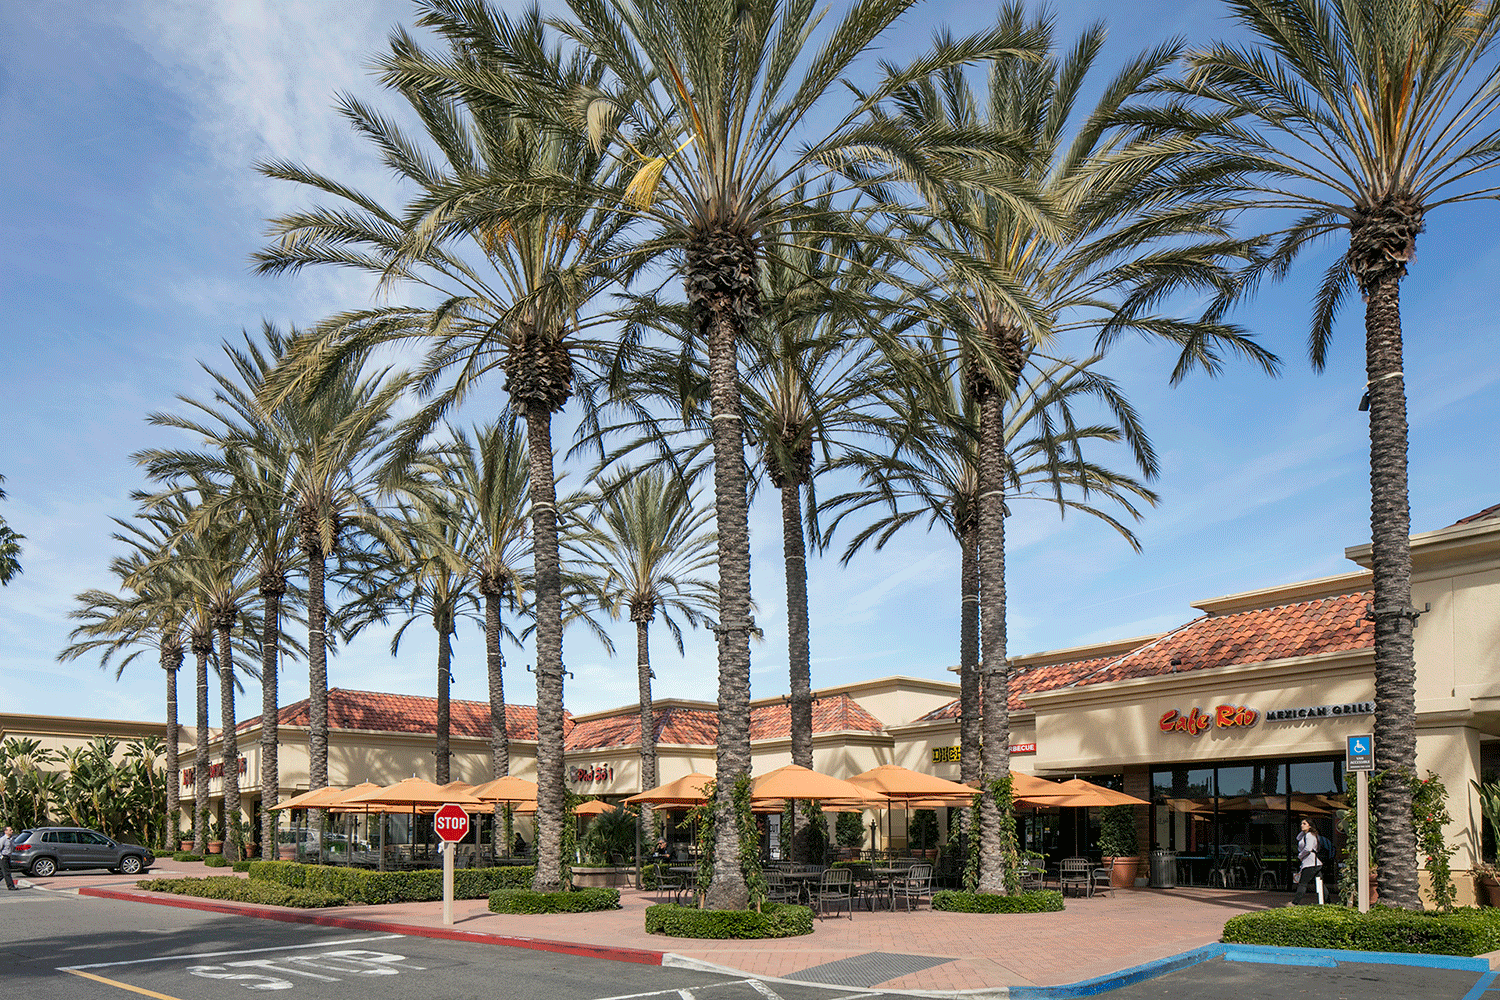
451,822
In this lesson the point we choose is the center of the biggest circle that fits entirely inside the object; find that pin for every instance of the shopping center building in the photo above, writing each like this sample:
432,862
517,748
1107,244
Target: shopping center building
1232,725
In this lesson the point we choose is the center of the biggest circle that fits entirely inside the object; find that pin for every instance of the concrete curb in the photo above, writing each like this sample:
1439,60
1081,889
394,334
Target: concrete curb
639,956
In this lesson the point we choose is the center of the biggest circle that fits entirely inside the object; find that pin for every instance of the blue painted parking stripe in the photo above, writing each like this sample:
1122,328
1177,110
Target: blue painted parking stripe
1478,988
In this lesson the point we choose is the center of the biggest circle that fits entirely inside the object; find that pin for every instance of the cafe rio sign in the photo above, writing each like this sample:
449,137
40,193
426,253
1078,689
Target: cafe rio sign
1231,717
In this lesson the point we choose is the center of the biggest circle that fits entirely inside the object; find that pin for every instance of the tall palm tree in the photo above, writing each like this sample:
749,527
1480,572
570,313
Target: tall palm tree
484,480
251,466
432,583
648,539
210,562
1362,117
10,549
706,97
928,471
1111,255
149,616
518,307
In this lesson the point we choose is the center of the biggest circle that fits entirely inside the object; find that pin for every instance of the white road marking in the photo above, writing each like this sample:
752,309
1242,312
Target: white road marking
685,994
223,954
763,989
379,963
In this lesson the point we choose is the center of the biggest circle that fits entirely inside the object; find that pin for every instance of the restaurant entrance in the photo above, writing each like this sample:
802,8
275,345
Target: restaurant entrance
1233,826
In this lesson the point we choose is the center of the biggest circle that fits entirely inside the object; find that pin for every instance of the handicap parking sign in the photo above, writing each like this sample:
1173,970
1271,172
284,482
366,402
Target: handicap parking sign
1361,753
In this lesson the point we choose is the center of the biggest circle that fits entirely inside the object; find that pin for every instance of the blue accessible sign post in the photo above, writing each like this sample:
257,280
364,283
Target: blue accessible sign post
1359,752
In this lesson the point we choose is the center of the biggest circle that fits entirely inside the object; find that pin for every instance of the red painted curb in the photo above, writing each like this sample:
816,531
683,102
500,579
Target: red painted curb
639,956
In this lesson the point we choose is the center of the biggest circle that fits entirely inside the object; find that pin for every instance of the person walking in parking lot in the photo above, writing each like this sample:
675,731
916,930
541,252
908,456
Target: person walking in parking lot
5,850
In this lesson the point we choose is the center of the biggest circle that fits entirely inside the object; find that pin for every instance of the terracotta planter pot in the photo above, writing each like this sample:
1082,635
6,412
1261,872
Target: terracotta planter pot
601,876
216,847
1122,872
1490,888
186,845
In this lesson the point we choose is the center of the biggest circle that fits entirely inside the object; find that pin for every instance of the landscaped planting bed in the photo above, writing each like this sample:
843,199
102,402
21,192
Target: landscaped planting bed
773,921
1040,901
575,901
1462,932
362,886
242,890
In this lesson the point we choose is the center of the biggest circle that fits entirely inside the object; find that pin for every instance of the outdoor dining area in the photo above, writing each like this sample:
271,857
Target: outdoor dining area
388,828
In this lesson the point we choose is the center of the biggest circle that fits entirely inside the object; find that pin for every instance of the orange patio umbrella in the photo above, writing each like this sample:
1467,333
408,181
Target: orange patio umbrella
683,793
797,782
318,798
509,789
414,792
913,789
1082,794
594,807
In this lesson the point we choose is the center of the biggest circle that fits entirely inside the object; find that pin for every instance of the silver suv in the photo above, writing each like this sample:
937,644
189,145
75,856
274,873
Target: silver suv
47,849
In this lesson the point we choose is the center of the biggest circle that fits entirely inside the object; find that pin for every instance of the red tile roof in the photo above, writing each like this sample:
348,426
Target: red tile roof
1026,681
1327,625
685,726
1488,512
409,713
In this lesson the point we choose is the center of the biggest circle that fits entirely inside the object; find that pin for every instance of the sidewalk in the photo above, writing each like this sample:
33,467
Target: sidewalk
925,950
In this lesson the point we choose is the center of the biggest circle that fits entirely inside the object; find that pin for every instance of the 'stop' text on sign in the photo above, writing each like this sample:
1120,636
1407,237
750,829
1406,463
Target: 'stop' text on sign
451,822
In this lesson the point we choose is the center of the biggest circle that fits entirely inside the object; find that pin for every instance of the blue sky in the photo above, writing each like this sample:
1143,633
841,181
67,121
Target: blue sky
130,209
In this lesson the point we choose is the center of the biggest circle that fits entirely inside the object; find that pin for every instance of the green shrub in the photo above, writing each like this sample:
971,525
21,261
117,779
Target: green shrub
243,865
1460,932
186,856
775,920
1040,901
215,861
649,875
363,886
577,901
241,890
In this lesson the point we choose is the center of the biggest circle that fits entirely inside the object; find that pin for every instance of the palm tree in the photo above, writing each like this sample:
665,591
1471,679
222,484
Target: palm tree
929,471
648,539
519,312
10,549
1362,117
484,481
251,466
706,97
149,617
209,561
1111,255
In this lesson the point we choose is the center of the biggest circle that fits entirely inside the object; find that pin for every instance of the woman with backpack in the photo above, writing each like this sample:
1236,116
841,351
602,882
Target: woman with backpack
1311,863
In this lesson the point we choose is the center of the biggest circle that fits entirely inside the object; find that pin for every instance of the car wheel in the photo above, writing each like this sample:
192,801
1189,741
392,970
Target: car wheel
43,867
130,865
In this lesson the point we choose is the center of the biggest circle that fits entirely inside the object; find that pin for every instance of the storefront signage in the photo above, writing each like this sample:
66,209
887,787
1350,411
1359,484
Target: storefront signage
1321,711
1196,720
215,770
952,755
585,775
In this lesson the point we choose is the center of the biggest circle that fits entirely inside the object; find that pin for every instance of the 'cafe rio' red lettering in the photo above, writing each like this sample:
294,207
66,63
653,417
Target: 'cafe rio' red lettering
1195,721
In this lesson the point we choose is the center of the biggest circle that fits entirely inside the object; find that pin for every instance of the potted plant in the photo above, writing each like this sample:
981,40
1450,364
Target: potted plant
216,837
849,833
1487,880
1118,844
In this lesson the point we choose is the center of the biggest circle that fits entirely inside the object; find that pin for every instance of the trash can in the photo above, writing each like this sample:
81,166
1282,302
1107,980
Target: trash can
1163,869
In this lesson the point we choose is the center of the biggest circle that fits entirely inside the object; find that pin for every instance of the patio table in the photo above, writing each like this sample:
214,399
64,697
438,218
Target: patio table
886,877
803,880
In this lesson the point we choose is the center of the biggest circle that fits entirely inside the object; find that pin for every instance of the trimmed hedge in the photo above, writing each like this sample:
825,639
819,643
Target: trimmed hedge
216,861
1040,901
362,886
243,865
576,901
1462,932
242,890
774,921
186,856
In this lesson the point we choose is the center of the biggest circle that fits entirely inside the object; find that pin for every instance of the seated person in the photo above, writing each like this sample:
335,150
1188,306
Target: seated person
662,852
519,847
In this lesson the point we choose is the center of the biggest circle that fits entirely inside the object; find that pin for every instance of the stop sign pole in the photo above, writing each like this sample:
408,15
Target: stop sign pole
452,825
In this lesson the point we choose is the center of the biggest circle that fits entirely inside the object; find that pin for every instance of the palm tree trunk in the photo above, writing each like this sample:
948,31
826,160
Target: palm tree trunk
996,694
728,891
200,755
1390,536
648,713
229,746
270,767
444,683
171,662
799,653
499,736
550,794
970,717
317,671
